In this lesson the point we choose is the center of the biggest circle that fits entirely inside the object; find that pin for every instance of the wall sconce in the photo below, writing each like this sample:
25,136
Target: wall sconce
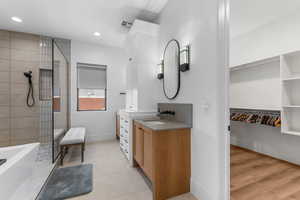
185,59
160,70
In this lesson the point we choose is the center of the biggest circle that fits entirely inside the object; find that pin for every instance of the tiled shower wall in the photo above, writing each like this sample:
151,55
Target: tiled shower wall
19,52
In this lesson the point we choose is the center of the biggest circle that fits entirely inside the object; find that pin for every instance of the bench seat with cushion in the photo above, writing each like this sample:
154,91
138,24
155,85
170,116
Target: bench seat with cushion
74,137
58,133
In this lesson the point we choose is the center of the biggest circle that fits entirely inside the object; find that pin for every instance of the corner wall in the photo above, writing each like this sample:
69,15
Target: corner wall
197,23
19,52
100,124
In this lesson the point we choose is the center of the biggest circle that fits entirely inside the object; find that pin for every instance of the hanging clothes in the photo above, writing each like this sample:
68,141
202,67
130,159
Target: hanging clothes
257,117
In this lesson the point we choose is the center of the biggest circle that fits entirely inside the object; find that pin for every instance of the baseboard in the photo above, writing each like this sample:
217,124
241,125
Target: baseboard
198,191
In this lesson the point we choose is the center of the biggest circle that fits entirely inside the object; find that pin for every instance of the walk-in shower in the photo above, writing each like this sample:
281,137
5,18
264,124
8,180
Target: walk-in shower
28,68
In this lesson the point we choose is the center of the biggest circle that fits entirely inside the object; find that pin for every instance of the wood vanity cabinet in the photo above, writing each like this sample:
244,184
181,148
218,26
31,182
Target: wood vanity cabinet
139,146
148,160
165,158
118,126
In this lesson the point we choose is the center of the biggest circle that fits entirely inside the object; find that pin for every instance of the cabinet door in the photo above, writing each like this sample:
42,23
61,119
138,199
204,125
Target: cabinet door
139,146
148,161
118,126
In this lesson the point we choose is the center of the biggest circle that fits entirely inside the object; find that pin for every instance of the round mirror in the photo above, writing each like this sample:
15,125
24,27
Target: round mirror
171,82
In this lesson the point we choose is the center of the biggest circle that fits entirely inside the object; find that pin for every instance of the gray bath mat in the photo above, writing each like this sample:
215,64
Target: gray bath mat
68,182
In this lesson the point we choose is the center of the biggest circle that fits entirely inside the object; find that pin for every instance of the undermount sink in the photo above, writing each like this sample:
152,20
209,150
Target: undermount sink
155,122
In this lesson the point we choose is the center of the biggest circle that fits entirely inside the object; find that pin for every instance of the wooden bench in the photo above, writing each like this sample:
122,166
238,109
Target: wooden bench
74,137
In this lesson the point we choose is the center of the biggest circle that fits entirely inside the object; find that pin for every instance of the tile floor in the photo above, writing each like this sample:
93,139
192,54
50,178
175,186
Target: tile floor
114,179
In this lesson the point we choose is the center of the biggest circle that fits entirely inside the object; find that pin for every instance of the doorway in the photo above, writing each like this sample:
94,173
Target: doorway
264,103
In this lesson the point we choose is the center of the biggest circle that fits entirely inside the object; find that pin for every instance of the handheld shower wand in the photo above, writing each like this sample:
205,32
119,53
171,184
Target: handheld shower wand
30,89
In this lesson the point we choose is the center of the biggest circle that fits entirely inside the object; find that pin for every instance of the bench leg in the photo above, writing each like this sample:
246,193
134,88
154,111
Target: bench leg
82,152
62,155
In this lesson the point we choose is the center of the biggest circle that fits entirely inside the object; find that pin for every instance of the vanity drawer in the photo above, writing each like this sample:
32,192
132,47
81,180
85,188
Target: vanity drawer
124,133
122,145
124,119
126,141
125,128
125,149
125,125
126,152
121,133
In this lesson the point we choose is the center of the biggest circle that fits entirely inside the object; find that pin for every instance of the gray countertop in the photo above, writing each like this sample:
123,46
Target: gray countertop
161,125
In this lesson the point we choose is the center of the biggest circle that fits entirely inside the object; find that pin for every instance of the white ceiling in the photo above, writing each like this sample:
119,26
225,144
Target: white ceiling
78,19
247,15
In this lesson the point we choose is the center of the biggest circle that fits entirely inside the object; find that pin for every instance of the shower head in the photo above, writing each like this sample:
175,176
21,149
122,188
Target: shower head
28,74
126,24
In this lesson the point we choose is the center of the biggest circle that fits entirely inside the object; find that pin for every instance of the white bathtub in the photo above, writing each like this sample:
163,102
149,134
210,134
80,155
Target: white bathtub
18,168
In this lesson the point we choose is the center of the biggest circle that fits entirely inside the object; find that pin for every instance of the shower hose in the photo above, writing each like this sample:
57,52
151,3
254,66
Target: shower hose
30,95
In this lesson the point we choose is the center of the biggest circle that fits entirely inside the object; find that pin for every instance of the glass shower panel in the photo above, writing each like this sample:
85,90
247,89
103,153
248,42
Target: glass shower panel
45,98
60,99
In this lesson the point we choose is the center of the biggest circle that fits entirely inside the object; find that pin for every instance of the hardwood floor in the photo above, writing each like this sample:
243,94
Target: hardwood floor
258,177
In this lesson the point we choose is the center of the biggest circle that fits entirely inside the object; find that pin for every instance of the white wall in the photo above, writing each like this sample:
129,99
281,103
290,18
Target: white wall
100,124
273,39
196,23
256,87
266,140
142,83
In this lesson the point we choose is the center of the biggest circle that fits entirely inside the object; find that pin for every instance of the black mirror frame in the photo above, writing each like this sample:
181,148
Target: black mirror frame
178,70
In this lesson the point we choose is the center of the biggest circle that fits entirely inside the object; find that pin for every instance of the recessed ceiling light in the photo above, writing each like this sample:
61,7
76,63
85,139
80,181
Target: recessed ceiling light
97,34
17,19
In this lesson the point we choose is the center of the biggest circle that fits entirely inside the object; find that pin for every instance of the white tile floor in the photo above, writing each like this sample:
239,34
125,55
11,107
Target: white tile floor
114,179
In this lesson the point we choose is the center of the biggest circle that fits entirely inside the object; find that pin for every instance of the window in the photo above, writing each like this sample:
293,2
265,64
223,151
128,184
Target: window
91,87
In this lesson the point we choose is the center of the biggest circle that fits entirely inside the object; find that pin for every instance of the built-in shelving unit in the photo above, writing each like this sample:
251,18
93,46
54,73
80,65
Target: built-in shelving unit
256,63
288,91
291,106
290,85
291,79
258,108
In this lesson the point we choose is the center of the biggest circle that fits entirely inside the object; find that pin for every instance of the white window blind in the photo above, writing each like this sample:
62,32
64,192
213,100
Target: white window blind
91,76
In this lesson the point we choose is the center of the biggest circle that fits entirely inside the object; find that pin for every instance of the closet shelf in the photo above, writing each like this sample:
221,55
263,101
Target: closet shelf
291,79
254,108
256,63
291,106
291,133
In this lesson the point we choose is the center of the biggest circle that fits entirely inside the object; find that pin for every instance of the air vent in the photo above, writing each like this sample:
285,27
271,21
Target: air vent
126,24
